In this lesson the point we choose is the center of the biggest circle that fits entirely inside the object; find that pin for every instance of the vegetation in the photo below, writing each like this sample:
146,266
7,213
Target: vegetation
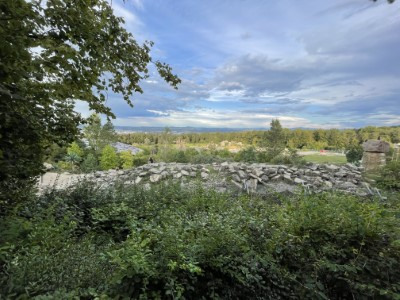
109,158
325,159
76,44
99,136
170,242
354,154
318,139
167,241
390,176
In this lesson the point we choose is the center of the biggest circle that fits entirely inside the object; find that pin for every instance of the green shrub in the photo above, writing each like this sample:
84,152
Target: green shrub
354,154
389,177
126,159
170,242
90,164
247,155
109,158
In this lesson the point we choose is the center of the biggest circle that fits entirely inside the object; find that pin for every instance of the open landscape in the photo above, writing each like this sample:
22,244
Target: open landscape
261,162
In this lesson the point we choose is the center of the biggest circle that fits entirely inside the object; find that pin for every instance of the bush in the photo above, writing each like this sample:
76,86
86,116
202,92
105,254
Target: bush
354,154
109,158
247,155
90,164
170,242
389,177
126,159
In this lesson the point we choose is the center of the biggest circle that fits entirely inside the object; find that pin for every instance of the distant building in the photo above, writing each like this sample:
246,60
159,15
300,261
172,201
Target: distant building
119,147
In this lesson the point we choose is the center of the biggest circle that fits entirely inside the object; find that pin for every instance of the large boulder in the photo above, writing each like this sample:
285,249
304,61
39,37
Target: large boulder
376,146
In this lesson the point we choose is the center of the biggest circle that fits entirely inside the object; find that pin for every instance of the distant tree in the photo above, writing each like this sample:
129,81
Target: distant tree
97,135
109,158
126,158
275,139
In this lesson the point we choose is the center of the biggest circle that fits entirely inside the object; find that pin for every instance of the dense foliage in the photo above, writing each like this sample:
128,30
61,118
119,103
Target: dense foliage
174,243
390,176
53,53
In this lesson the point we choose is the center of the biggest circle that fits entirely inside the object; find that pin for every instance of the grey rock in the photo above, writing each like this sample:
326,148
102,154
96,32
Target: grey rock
204,175
155,178
376,146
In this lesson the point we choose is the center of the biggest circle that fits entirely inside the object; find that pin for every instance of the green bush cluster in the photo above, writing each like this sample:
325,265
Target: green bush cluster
175,243
251,155
390,176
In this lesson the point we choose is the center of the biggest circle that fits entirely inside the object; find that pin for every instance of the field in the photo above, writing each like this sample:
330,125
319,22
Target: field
325,159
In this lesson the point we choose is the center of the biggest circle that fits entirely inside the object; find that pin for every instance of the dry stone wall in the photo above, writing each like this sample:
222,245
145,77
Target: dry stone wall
254,178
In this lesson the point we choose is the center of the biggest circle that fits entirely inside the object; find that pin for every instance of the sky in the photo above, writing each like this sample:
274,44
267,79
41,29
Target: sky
310,64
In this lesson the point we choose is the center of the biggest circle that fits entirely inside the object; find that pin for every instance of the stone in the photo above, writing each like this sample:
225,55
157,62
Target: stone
48,166
287,178
299,181
251,185
129,182
138,180
332,167
204,175
185,173
276,177
373,160
376,146
348,185
242,174
155,171
258,172
328,184
254,176
237,184
155,178
177,175
236,178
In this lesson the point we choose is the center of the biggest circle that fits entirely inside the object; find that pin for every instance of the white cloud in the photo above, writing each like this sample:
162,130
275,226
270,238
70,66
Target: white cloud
219,119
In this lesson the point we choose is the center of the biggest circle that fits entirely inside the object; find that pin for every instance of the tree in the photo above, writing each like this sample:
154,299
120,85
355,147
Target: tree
74,149
275,139
109,158
90,164
97,135
126,158
354,154
53,53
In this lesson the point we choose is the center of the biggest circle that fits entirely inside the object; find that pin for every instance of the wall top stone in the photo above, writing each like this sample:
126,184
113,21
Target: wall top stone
376,146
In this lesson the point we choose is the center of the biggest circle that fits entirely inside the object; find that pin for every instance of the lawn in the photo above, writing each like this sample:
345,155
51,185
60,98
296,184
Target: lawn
325,159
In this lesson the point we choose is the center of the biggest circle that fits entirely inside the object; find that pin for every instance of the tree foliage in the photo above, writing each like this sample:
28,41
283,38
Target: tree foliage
109,158
99,135
53,53
126,158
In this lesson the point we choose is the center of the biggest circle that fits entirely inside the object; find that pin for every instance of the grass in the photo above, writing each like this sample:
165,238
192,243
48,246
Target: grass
325,159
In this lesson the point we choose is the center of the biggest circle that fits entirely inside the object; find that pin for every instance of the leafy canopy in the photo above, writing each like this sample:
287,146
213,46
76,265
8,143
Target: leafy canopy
53,53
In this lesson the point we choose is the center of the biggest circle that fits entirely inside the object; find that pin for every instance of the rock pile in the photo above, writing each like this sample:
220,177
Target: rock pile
251,177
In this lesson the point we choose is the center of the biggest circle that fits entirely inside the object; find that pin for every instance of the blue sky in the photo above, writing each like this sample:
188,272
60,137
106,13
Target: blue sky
316,64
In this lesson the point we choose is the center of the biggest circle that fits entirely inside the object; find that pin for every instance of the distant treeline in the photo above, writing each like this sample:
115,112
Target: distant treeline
297,138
